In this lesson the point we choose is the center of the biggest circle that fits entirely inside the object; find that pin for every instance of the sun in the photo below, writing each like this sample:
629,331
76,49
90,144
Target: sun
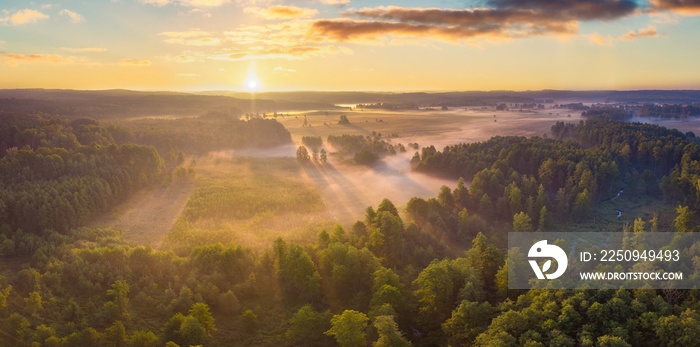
252,83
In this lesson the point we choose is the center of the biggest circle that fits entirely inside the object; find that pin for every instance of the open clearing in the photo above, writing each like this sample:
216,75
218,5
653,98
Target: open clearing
250,201
437,128
297,201
149,214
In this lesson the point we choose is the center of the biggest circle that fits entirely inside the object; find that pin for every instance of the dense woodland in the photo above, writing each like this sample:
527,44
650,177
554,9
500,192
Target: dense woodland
391,279
198,135
363,150
669,111
117,103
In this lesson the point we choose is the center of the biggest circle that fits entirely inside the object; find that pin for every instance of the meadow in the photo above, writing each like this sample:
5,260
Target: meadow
248,201
251,196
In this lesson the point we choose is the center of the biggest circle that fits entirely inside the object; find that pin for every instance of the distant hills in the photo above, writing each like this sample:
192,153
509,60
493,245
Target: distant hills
127,103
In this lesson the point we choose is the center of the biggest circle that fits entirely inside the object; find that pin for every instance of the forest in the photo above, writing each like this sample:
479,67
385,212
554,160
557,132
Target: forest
432,276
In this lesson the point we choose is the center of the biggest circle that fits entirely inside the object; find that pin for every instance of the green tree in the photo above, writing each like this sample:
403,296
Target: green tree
348,329
191,332
639,225
582,205
461,194
307,327
119,292
468,321
684,219
303,154
522,222
515,199
324,156
116,334
612,341
683,330
297,274
201,312
249,321
34,302
389,334
543,220
445,198
142,338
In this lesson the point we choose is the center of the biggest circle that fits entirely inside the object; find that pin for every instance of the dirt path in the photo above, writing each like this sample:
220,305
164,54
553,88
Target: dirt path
150,214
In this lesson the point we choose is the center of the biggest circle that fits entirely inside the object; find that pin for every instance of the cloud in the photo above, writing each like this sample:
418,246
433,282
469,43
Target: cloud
85,49
608,40
155,2
684,7
24,16
282,12
294,52
573,9
199,11
601,40
282,40
649,31
334,2
504,19
16,59
199,41
194,37
74,17
135,62
185,34
185,57
281,69
344,30
188,3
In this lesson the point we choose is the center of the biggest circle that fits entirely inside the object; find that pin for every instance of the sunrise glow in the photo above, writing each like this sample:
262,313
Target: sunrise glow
349,45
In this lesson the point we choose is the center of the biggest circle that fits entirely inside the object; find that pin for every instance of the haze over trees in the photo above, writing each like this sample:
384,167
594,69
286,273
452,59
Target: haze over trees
432,273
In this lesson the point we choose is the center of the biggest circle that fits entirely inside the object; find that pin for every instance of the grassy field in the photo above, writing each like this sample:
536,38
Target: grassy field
146,217
253,196
604,216
438,128
249,201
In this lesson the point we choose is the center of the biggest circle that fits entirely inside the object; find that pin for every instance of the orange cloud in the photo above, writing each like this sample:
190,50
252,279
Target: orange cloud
194,37
134,62
504,19
24,16
189,3
649,31
282,12
335,2
684,7
294,52
598,39
16,59
85,49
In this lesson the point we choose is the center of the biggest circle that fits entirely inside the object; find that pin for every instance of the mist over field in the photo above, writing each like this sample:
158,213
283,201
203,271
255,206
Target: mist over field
266,226
351,173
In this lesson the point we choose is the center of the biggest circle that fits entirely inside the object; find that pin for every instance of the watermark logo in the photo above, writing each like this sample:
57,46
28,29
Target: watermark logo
542,250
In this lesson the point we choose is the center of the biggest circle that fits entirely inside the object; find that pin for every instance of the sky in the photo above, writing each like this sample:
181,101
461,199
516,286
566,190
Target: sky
341,45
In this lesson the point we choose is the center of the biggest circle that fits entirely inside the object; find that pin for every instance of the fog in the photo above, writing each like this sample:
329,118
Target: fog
478,125
348,189
272,152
